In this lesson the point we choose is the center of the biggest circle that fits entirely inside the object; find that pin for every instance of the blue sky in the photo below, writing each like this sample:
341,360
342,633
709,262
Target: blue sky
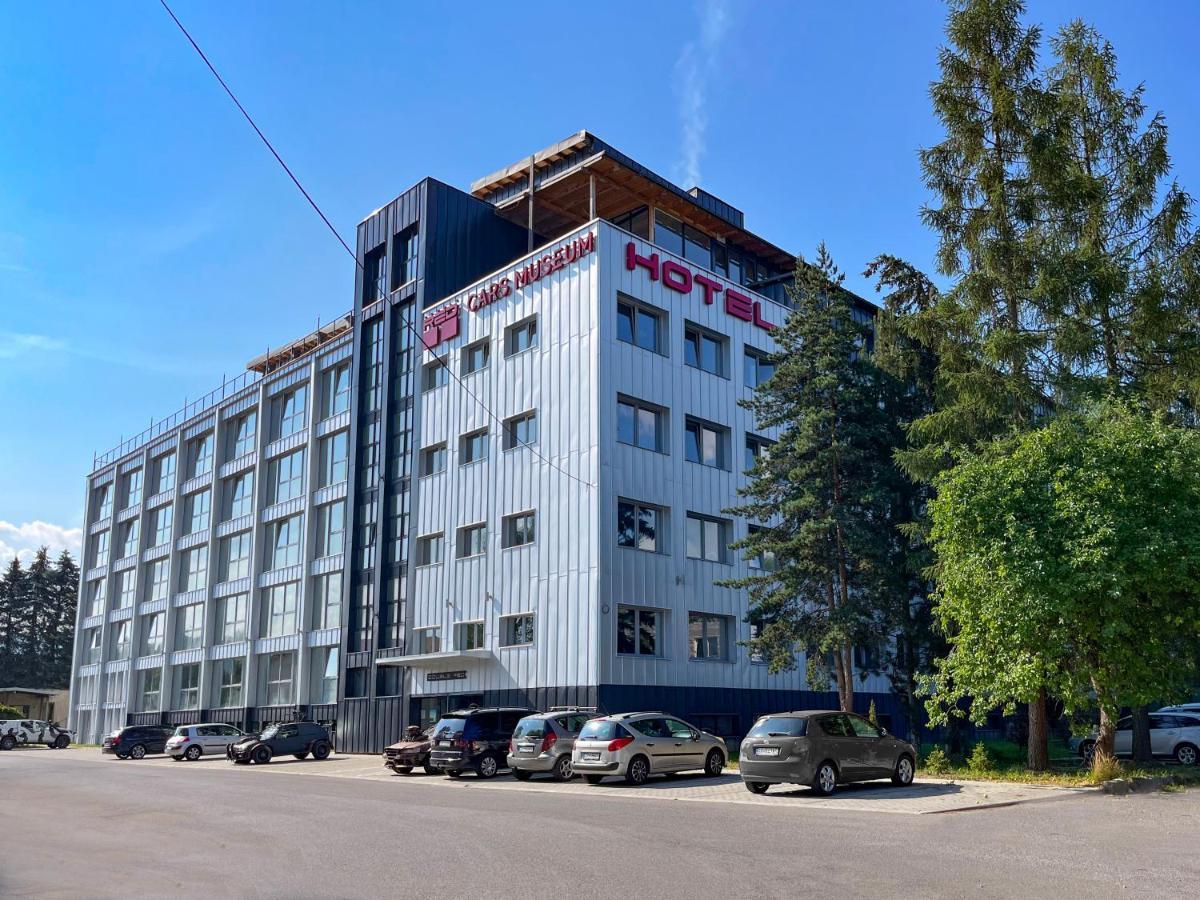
149,245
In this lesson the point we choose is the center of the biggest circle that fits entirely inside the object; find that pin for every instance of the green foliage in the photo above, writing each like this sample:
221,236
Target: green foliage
1069,558
936,762
9,712
871,716
37,621
979,761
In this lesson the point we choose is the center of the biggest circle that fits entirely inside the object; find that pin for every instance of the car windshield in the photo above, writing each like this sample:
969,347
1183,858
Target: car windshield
269,732
600,730
532,727
180,731
779,726
449,726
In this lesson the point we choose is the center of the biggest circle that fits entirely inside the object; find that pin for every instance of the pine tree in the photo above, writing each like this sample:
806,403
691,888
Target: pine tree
64,606
823,493
12,603
38,579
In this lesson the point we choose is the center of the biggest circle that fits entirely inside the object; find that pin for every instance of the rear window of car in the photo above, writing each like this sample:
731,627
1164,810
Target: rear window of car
453,726
532,727
601,730
779,726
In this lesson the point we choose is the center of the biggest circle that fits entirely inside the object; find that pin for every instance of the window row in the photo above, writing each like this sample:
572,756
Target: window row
647,425
477,356
516,630
642,631
474,446
643,526
516,530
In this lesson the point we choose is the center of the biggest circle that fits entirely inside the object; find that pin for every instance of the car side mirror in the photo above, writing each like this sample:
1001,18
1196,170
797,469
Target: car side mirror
695,735
883,732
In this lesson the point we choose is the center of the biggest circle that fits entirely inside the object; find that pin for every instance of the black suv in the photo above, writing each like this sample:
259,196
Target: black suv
137,740
475,739
297,738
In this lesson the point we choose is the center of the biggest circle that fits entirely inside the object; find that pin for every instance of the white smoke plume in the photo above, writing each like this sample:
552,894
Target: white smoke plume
693,72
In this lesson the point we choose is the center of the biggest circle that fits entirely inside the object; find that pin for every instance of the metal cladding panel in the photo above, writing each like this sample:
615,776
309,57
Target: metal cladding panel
389,721
554,577
354,718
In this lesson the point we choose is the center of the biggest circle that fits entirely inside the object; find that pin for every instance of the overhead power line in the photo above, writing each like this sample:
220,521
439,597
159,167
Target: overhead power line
354,256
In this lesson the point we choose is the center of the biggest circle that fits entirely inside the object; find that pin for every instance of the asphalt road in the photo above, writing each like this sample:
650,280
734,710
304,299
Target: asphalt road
78,825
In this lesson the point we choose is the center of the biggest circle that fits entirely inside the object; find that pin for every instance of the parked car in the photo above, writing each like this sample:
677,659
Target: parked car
135,741
1171,734
1190,709
404,756
193,741
640,744
475,739
297,738
543,743
22,732
822,749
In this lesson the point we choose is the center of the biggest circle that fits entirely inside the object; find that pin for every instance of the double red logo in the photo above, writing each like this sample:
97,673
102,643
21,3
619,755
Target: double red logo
440,325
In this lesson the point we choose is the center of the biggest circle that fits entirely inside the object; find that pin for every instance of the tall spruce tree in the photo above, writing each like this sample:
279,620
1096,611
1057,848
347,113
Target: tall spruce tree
64,603
38,580
824,494
12,607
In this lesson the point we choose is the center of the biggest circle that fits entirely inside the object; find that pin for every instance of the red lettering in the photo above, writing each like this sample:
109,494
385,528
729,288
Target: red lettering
633,260
739,305
587,243
560,258
759,320
676,277
710,287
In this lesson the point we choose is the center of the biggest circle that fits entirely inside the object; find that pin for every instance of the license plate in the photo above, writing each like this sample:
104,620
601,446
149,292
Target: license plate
525,748
766,751
446,743
592,756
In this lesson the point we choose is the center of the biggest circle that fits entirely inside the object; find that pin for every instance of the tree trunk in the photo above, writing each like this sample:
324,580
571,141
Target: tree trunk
1141,735
1039,749
1108,733
846,677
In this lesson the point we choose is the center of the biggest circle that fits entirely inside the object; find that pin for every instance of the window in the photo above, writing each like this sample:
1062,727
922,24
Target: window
406,247
164,520
244,432
638,526
434,375
165,467
475,357
707,636
668,232
764,561
706,443
287,476
697,247
471,540
756,447
193,571
126,589
473,447
286,537
282,602
98,595
520,337
200,456
640,325
104,502
133,488
189,632
198,507
389,681
331,529
433,459
705,350
279,679
334,456
231,618
239,495
706,537
516,630
291,412
356,682
520,529
153,631
427,640
637,631
100,549
429,550
756,656
469,636
325,675
230,676
92,646
122,641
235,556
327,600
759,367
641,425
130,532
158,580
151,693
335,390
520,430
636,221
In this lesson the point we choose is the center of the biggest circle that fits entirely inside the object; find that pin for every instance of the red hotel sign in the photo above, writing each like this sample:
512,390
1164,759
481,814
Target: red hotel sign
682,280
442,324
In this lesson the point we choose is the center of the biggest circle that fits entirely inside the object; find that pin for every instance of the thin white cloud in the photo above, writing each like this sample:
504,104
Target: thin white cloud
24,540
14,344
694,70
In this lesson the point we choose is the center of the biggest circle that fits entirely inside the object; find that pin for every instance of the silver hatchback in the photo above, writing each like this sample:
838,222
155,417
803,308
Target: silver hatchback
638,745
543,742
190,742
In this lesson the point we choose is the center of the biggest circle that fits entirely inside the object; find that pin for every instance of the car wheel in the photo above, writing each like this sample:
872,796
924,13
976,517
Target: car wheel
137,751
563,769
401,770
302,755
522,774
193,752
121,755
825,781
756,787
262,754
638,770
61,742
593,779
320,750
903,776
7,742
429,770
1186,755
487,767
241,762
454,773
714,763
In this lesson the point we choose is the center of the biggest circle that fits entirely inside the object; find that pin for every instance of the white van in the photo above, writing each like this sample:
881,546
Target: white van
22,732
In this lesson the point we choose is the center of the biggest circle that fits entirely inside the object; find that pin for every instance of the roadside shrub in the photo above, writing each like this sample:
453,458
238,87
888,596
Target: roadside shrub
979,761
871,717
1104,767
936,761
10,712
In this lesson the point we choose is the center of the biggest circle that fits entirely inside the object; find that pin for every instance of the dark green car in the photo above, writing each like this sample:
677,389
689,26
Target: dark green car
822,748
